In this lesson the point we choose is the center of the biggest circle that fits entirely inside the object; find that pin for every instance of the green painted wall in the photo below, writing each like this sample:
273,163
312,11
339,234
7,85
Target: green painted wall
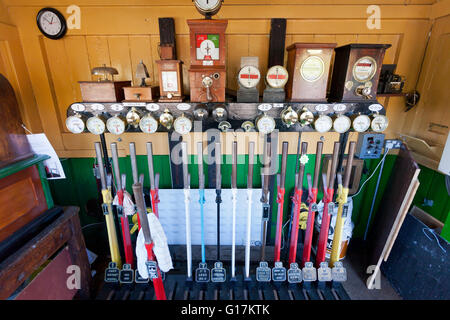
80,186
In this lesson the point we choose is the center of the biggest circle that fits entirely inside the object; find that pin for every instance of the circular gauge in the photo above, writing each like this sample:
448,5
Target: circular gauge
248,126
249,77
364,69
323,123
361,123
75,124
95,125
116,107
219,113
208,7
182,125
97,107
166,119
379,123
78,107
277,77
340,107
206,47
265,124
224,126
115,125
148,124
312,68
342,124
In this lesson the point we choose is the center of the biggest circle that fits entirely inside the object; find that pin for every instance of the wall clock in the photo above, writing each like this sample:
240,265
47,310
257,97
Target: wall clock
51,23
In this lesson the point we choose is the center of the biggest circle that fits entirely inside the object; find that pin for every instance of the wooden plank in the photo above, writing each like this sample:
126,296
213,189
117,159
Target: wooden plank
98,51
140,49
400,218
78,63
277,42
389,213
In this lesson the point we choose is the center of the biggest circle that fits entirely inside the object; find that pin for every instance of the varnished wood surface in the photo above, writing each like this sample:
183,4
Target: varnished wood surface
14,145
22,199
65,229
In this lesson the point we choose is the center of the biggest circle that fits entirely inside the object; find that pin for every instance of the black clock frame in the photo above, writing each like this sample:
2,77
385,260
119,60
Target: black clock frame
63,30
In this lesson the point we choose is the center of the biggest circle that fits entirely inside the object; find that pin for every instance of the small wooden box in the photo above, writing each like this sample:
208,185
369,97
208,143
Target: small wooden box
356,66
198,91
103,91
309,67
170,80
214,53
147,94
167,52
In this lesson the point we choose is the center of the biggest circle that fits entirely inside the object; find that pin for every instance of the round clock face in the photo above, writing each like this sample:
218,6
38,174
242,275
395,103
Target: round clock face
265,124
51,23
148,124
249,76
277,77
342,124
361,123
95,125
323,124
379,123
75,124
182,125
115,125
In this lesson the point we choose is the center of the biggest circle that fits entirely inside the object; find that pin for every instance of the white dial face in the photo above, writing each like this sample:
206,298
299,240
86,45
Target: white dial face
265,124
95,125
206,47
207,4
342,124
312,68
182,125
364,69
323,124
116,107
78,107
115,125
148,124
379,123
249,76
361,123
75,124
277,77
50,23
97,107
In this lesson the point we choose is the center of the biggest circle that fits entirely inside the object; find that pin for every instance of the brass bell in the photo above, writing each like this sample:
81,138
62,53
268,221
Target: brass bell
166,119
289,116
306,117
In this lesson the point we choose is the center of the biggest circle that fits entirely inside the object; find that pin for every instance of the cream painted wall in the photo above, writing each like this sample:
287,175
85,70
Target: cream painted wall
120,33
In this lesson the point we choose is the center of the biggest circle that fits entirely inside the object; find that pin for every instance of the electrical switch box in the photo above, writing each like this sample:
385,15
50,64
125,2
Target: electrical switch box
369,145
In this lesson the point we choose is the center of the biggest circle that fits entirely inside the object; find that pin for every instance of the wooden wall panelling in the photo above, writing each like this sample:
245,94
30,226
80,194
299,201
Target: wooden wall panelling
257,47
140,49
119,53
249,27
78,58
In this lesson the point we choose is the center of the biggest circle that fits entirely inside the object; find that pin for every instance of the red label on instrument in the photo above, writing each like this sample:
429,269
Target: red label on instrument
274,76
364,64
249,76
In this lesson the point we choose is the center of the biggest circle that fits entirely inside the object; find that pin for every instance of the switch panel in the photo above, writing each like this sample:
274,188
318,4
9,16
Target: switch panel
370,145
